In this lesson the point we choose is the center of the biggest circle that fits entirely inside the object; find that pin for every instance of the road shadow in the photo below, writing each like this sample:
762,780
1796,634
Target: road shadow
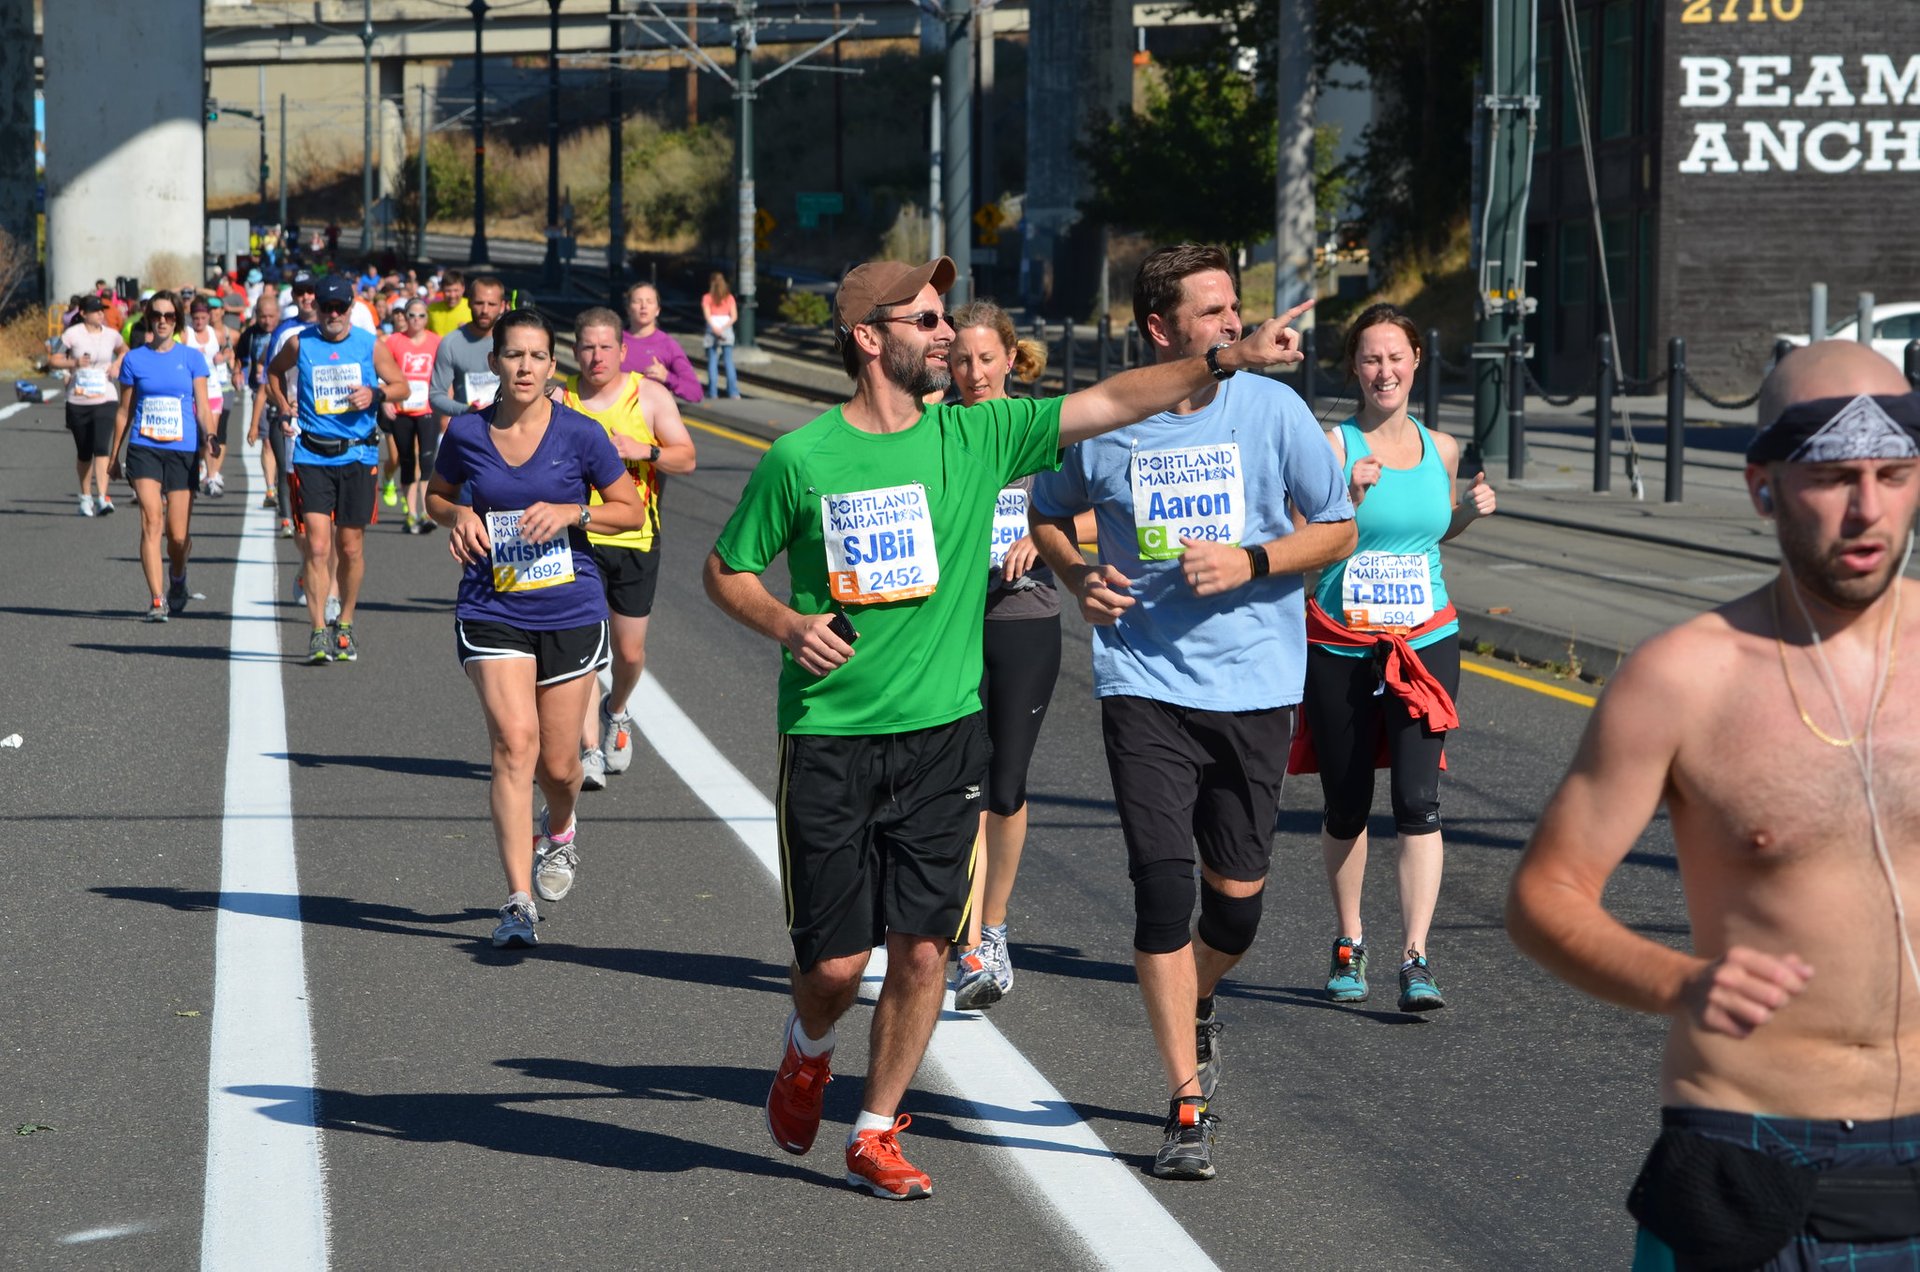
1306,996
409,765
50,611
1067,960
196,653
497,1122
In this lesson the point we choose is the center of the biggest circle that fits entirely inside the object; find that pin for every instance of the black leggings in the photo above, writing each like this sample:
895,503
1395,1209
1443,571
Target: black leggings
409,431
1016,683
1346,718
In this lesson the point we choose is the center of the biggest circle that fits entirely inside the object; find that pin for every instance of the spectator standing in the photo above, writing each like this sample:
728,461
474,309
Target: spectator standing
722,311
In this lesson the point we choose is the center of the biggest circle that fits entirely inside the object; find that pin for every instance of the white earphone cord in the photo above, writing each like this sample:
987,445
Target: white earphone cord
1863,758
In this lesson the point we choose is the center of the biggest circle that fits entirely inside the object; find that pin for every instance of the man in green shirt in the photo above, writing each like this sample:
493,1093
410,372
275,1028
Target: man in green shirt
884,509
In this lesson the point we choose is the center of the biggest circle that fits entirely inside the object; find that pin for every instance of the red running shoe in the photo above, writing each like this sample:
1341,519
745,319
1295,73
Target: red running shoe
793,1102
875,1164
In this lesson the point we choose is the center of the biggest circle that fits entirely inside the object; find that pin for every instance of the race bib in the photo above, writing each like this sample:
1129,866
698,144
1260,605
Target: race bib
333,382
1386,591
519,566
90,382
222,380
879,544
161,419
1009,525
482,388
1193,492
416,397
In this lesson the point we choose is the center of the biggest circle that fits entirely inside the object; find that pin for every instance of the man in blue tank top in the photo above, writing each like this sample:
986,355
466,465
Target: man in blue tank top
343,375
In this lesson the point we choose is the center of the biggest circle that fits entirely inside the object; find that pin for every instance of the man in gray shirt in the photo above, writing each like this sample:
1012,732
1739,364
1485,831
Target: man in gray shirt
462,380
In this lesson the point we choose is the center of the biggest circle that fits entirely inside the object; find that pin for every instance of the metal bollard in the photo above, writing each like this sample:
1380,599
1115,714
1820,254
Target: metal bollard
1130,353
1309,367
1913,363
1040,335
1516,406
1781,348
1068,375
1863,319
1676,417
1432,386
1101,359
1603,418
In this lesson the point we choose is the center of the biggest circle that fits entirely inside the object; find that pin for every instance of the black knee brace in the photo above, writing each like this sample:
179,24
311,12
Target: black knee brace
1228,923
1162,906
1345,823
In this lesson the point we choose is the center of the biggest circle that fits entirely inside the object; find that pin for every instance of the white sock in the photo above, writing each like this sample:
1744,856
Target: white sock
869,1122
811,1048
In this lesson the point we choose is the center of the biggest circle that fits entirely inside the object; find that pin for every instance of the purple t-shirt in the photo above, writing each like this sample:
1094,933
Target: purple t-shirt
642,350
544,588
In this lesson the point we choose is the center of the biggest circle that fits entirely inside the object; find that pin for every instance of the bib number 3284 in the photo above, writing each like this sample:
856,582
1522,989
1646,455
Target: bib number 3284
1190,492
879,544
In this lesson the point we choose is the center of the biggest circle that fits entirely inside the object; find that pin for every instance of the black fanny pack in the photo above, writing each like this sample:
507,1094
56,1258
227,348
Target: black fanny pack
1723,1207
334,447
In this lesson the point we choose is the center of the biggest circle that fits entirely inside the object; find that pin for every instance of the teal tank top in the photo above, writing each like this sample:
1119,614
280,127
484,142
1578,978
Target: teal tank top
1406,513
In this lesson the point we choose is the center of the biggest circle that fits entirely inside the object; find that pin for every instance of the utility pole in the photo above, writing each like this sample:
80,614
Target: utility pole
552,262
957,170
1294,230
420,199
987,182
366,135
283,162
616,164
745,281
936,206
261,115
477,252
1507,114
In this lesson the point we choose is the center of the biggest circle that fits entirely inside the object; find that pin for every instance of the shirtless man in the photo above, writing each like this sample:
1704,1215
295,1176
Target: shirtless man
1768,729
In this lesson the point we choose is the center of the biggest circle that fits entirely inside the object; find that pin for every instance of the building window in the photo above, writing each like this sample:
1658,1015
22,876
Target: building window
1544,61
1619,232
1575,263
1617,56
1568,109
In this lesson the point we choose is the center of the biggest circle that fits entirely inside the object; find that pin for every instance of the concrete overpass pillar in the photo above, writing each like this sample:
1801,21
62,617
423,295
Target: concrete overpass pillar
126,150
16,130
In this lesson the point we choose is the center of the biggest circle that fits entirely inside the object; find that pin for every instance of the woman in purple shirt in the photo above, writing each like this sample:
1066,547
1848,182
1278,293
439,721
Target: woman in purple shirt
531,620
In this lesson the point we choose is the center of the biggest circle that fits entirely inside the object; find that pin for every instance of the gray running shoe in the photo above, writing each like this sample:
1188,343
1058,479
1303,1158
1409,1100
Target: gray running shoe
320,645
554,865
104,506
178,596
593,770
1206,1049
978,989
517,918
333,610
993,949
1186,1152
157,612
616,739
344,648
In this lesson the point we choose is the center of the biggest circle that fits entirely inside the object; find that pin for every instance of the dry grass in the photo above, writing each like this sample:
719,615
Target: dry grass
23,343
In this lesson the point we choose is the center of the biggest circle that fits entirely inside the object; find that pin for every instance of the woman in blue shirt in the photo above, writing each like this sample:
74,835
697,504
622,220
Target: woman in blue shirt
163,403
1383,658
531,620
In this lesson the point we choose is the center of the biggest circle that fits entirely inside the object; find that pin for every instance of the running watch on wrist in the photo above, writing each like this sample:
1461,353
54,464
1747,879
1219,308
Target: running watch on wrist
586,515
653,456
1257,560
1213,360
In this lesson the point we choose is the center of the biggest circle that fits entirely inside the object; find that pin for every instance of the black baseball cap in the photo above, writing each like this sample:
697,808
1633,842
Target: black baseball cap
91,304
303,281
333,288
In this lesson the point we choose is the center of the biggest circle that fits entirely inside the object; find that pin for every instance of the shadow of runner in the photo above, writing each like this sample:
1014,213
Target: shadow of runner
492,1121
410,765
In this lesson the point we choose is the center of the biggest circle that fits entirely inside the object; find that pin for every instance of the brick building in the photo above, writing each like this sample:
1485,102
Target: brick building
1743,150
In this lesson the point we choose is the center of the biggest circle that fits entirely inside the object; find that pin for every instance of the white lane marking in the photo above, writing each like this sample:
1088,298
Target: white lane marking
8,412
1097,1200
51,395
265,1200
104,1234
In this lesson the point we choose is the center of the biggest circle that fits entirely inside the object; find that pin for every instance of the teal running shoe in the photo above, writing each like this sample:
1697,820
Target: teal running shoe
1417,990
1347,977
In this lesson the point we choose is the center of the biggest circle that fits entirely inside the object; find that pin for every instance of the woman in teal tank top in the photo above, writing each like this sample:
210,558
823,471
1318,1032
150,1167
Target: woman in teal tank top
1388,596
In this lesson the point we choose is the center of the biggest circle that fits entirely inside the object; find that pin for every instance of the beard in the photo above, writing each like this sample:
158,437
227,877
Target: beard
907,367
1817,569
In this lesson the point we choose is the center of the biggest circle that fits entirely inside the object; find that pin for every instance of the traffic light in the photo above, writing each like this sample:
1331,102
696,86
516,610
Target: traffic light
213,109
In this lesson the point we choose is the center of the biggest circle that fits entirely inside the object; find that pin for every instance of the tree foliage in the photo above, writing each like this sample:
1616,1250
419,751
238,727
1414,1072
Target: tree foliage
1197,164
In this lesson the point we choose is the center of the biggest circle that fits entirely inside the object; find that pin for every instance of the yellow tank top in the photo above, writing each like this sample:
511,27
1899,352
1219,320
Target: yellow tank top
626,417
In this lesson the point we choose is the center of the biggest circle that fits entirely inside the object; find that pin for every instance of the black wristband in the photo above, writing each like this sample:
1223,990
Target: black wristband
1257,558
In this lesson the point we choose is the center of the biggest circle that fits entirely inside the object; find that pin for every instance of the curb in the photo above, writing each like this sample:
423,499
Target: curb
1516,640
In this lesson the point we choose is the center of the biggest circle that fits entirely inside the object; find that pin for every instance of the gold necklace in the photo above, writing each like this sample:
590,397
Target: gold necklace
1893,646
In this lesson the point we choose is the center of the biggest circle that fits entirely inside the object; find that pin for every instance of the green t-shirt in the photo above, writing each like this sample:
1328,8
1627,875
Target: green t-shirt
897,513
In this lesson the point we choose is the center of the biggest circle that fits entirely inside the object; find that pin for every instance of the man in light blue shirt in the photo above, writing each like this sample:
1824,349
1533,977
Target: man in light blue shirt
1208,515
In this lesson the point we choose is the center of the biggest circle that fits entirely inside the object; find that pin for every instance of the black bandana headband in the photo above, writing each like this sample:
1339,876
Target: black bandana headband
1830,430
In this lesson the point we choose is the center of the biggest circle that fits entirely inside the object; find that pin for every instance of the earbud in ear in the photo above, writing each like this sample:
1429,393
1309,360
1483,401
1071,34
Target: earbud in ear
1765,495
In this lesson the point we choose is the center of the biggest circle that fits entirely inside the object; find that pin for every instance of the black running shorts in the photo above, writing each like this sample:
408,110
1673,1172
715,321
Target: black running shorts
91,424
1186,778
630,576
174,470
877,835
341,491
558,656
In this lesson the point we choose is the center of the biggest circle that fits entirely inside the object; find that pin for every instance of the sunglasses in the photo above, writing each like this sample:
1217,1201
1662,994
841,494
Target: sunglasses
926,319
163,315
421,314
334,306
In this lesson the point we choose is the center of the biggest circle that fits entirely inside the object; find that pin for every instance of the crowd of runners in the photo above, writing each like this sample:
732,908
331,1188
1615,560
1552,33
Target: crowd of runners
933,526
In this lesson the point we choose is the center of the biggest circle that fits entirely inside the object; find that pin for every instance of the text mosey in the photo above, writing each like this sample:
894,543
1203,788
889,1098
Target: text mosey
161,419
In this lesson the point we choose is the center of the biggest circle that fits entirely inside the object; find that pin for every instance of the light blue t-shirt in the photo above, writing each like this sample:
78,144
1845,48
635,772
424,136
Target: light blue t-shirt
1226,472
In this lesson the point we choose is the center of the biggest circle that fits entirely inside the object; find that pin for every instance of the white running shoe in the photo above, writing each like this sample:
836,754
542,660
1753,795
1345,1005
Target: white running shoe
86,507
593,770
616,739
554,865
517,918
333,610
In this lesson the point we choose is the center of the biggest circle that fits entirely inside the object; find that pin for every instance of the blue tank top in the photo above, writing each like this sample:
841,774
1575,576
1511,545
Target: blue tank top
1404,515
329,371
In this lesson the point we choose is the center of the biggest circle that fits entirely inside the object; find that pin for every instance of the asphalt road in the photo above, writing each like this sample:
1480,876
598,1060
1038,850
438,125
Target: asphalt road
596,1104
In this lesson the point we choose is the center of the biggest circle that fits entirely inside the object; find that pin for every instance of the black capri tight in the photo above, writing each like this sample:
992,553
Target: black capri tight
410,431
1346,718
1016,684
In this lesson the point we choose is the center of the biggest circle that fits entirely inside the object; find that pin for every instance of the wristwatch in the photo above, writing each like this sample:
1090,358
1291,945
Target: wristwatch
586,515
1213,360
653,454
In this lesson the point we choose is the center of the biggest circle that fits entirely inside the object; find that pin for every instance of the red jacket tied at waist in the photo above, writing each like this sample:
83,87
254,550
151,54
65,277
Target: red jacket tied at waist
1406,678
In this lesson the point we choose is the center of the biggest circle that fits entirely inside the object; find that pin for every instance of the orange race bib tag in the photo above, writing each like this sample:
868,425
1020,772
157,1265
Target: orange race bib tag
880,544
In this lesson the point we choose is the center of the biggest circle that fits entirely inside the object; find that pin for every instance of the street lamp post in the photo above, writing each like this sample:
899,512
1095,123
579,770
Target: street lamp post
478,253
553,144
747,283
616,165
366,138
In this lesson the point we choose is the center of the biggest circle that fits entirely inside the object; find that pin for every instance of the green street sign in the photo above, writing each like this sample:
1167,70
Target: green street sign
813,206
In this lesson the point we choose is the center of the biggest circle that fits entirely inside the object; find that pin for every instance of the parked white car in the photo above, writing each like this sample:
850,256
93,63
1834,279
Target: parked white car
1894,326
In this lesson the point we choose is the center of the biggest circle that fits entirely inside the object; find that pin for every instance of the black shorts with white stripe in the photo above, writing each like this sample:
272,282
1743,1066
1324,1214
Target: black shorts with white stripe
558,656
